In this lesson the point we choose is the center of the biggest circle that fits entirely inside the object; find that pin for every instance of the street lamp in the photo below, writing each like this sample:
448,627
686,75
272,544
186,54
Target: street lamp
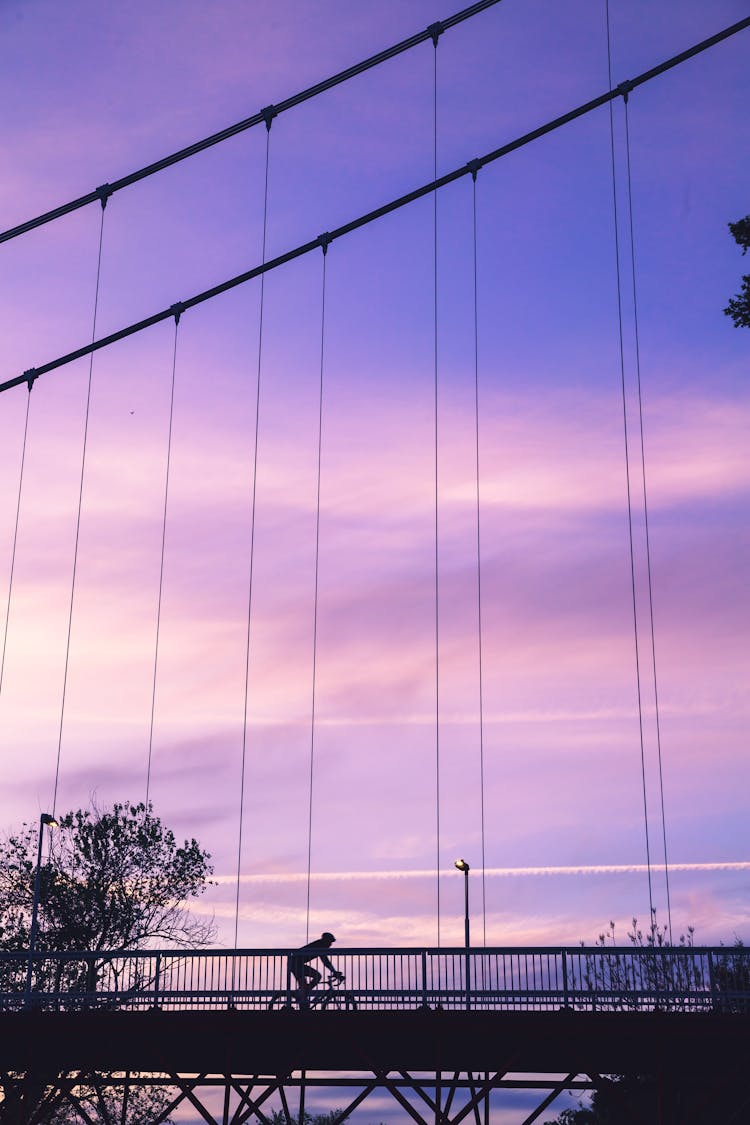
49,820
462,865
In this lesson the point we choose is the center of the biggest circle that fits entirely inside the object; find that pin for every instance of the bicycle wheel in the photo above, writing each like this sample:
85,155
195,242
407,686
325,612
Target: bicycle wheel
340,1001
280,1002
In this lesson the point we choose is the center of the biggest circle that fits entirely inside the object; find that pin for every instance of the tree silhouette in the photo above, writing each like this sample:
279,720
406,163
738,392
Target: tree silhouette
114,880
739,306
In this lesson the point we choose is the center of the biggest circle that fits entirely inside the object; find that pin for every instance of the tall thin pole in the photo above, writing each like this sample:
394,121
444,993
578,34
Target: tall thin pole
466,908
45,818
466,935
462,865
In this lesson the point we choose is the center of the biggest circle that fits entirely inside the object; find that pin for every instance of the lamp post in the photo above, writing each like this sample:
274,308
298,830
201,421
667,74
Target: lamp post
49,820
462,865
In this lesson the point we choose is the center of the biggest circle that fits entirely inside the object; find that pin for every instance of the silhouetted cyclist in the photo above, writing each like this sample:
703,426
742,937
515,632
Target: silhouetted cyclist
299,963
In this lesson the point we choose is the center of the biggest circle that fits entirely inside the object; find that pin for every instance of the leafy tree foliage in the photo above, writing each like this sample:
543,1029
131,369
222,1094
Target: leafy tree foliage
278,1117
739,306
31,1101
624,1100
669,975
114,880
633,1099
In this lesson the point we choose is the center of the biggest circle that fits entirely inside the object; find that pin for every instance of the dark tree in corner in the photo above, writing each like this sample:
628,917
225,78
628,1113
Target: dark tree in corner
739,306
115,879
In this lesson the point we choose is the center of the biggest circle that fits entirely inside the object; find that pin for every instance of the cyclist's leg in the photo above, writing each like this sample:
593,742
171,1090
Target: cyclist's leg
312,978
308,979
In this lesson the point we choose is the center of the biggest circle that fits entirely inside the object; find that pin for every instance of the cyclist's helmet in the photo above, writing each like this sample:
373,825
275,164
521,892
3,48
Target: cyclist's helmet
327,937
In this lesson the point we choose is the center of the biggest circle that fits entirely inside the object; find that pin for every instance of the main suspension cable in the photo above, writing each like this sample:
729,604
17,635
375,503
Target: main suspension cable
15,538
645,519
80,507
315,595
252,542
627,477
380,212
264,115
161,560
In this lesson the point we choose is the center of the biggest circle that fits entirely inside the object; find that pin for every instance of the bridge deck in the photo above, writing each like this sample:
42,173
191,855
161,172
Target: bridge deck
280,1042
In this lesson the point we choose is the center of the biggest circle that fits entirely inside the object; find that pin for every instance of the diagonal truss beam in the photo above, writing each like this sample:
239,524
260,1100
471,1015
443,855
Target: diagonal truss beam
402,1100
285,1104
355,1102
481,1091
194,1101
250,1107
176,1101
548,1100
79,1107
418,1089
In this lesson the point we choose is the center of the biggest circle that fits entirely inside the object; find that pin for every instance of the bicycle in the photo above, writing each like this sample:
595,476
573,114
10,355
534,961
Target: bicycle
332,996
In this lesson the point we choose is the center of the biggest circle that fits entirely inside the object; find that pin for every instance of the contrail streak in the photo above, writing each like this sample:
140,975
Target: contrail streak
490,872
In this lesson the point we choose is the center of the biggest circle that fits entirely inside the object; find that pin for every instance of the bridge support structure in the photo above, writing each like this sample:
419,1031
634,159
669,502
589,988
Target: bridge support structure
434,1067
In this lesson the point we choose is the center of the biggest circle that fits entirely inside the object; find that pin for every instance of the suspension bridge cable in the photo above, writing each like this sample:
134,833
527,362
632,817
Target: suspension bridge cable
435,42
265,115
627,475
80,507
161,561
33,373
646,521
315,596
15,539
479,560
252,539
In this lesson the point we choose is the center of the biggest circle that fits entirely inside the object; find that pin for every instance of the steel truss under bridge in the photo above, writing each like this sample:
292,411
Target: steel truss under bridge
435,1065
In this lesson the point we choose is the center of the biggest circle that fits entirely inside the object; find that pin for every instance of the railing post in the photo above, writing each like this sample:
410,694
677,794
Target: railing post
90,987
288,982
468,979
424,978
157,980
566,998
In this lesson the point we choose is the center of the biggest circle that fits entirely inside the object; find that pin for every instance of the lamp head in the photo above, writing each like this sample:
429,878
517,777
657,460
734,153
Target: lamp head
462,865
49,820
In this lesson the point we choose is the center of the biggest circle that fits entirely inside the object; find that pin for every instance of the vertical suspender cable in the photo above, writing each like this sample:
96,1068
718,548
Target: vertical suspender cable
315,595
435,37
80,506
252,542
645,519
15,536
479,558
627,477
161,562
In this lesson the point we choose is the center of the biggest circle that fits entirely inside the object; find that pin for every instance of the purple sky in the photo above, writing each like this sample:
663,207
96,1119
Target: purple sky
90,91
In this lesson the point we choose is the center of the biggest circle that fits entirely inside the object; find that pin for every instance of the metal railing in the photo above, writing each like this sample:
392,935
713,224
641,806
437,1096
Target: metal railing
537,979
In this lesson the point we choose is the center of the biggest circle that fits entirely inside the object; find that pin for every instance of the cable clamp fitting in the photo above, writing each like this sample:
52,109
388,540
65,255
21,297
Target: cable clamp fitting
268,114
323,241
624,89
31,376
177,310
435,30
104,191
474,166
